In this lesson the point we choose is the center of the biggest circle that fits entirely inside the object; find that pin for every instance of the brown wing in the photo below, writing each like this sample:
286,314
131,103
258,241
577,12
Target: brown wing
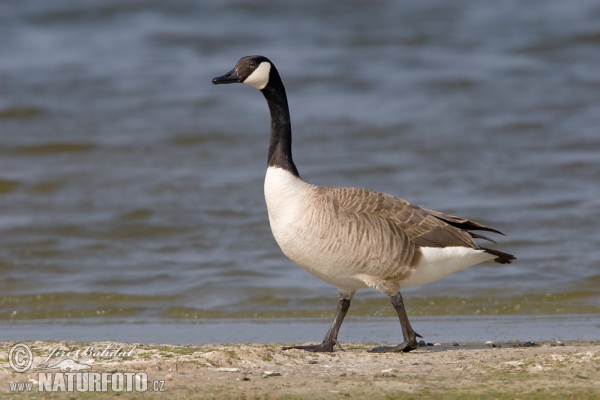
423,227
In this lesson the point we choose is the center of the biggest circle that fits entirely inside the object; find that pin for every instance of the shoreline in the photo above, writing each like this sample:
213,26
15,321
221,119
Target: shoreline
503,328
256,370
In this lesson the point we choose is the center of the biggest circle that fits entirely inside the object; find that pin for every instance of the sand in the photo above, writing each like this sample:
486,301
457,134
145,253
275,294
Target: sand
247,371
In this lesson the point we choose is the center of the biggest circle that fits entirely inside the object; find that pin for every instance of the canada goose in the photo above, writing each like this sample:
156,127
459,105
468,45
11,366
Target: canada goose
354,238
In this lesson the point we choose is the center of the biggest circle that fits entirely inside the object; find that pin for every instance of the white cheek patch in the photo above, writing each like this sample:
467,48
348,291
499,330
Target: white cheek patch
260,77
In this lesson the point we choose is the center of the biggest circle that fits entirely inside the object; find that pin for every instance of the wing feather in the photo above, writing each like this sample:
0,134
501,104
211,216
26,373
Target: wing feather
423,227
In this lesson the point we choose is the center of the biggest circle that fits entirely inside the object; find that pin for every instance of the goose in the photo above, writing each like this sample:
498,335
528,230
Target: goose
354,238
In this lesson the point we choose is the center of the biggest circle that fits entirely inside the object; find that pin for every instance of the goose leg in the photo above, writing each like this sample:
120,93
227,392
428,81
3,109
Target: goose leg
410,336
330,339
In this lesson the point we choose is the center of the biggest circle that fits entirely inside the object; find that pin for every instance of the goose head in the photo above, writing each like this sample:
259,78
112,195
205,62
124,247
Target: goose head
259,72
251,70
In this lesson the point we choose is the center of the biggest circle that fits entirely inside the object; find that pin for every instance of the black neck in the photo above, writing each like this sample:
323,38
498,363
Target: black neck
280,147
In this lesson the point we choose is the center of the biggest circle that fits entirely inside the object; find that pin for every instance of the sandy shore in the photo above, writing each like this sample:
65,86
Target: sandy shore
502,370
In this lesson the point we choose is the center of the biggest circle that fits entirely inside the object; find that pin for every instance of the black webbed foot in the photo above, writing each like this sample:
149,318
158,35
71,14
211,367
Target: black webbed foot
325,347
330,339
404,347
410,336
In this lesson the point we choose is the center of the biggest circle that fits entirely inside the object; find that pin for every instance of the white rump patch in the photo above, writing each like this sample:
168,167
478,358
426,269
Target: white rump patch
438,262
260,77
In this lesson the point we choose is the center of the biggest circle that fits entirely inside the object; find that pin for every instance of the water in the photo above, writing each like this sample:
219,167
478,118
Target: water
131,187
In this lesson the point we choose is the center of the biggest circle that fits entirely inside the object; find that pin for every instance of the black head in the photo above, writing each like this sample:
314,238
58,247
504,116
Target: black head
251,70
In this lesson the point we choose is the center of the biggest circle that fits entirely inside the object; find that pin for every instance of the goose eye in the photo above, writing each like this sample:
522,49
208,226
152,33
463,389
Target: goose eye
253,64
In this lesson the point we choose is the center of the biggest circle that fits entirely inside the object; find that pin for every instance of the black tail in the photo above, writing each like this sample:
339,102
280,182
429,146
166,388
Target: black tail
502,258
464,224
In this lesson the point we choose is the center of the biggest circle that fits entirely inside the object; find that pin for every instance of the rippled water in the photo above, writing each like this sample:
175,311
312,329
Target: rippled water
131,187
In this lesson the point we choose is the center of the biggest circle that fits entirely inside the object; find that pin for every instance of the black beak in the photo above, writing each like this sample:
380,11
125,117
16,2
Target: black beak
230,77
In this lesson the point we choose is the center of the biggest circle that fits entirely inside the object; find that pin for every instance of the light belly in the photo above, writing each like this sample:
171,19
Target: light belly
322,254
305,232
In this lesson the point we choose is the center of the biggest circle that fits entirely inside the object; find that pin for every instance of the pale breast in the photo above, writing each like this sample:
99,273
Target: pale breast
339,247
